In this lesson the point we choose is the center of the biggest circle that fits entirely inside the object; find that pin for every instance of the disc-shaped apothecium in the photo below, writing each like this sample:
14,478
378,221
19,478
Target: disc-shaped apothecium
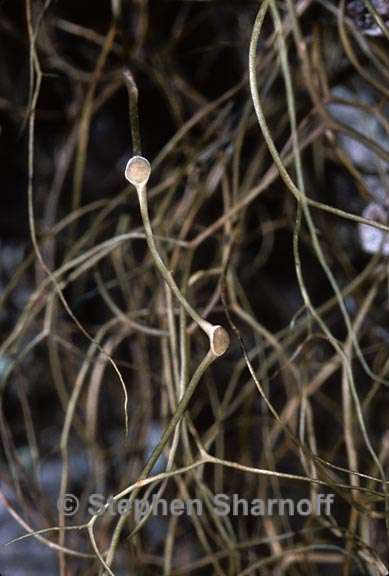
220,340
138,171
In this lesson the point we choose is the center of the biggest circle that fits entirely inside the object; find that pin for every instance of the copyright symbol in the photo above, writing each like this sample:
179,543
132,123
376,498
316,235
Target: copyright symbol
68,505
